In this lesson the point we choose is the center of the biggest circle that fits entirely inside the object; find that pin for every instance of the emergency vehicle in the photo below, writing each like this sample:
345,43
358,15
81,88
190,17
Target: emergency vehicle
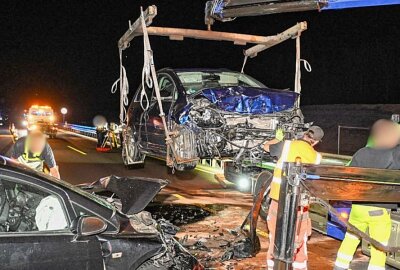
41,118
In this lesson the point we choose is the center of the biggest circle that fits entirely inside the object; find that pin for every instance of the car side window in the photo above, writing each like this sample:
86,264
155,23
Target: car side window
167,86
27,208
148,91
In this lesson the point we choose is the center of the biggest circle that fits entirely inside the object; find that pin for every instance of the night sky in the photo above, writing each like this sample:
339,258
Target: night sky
64,53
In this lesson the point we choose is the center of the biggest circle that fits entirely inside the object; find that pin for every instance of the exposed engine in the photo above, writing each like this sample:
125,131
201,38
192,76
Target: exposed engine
221,134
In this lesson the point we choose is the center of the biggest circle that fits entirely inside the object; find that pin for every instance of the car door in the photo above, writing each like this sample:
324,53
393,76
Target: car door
155,127
137,116
35,228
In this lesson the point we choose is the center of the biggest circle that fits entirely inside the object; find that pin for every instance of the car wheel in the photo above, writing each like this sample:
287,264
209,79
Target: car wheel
262,178
131,154
186,166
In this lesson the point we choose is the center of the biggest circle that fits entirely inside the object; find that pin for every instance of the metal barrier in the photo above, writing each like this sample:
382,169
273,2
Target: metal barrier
79,129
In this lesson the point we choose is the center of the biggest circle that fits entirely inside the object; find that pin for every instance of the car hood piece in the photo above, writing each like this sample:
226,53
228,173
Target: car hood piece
135,193
250,100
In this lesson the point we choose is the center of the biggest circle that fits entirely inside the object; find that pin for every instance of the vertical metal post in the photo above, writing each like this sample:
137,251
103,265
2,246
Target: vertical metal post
338,140
288,204
297,77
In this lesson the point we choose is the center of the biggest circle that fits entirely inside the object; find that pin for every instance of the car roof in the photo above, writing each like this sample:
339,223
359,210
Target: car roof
177,70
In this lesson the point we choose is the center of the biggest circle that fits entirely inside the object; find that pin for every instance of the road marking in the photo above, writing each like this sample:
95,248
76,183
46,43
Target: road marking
178,196
258,231
77,150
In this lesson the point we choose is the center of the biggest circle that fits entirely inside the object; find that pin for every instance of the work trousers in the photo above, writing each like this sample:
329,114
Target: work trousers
377,221
303,231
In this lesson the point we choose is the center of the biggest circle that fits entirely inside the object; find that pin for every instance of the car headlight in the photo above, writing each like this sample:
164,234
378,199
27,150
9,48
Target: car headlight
52,118
24,123
244,183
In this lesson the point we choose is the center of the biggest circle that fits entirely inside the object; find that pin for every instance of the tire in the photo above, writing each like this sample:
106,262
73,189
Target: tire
263,177
186,166
131,154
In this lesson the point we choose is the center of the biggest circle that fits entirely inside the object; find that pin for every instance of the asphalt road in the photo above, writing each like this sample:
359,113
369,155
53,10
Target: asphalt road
79,162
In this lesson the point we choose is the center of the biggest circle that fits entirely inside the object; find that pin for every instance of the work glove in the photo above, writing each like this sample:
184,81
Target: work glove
279,134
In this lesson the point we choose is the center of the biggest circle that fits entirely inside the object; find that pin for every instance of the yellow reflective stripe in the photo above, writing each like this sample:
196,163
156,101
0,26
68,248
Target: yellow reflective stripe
351,236
299,265
319,159
277,180
376,267
279,165
285,152
342,265
345,257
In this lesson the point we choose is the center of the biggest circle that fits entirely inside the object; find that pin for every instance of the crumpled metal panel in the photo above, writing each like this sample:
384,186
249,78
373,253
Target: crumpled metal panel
135,193
251,100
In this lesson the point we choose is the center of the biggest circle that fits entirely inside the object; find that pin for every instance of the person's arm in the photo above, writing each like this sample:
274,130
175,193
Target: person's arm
279,136
17,150
51,162
267,144
54,172
275,150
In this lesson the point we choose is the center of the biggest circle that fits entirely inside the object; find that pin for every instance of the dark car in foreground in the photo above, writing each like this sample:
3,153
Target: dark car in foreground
210,113
46,223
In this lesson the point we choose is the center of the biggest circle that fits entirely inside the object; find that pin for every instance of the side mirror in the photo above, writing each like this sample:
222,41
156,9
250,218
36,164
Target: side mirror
88,225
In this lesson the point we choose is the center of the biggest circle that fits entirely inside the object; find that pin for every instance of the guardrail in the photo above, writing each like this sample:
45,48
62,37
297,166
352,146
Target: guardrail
80,129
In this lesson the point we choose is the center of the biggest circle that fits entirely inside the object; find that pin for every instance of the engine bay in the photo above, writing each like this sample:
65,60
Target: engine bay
223,134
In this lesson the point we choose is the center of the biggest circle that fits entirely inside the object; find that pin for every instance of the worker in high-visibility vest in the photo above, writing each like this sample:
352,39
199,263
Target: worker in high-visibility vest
289,151
382,152
34,151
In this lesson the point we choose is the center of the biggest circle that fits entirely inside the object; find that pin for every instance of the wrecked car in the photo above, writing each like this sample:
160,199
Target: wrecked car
46,223
211,113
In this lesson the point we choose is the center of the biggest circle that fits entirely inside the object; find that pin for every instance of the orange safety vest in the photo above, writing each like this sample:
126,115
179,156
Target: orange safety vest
292,150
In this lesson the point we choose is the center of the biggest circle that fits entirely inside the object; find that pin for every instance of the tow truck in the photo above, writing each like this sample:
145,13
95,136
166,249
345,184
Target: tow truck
41,118
245,178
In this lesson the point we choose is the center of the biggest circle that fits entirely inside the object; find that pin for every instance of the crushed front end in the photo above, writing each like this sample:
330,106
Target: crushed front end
234,122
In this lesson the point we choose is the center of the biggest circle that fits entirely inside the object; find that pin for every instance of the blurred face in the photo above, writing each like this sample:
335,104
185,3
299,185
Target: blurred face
37,143
309,139
386,135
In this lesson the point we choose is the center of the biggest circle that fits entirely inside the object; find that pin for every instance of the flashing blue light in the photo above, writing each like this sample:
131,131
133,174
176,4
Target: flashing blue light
342,4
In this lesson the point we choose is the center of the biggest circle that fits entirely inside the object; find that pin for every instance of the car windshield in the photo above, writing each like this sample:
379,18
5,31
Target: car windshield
195,81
